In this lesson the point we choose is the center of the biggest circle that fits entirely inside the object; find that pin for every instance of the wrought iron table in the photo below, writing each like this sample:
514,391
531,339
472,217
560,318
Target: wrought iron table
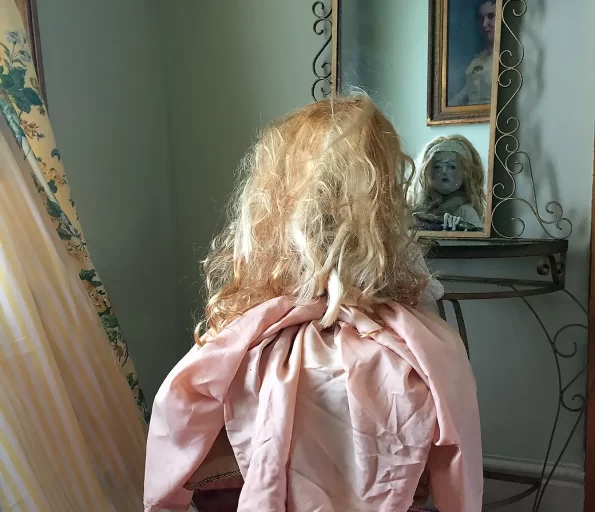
551,266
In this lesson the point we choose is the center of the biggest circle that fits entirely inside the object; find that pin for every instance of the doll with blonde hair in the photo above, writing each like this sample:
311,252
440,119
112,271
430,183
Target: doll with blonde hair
448,188
336,391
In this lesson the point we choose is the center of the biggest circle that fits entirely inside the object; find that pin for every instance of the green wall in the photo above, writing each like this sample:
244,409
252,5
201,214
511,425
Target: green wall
106,91
232,66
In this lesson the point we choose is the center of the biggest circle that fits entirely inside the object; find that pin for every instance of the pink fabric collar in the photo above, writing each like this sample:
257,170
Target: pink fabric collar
323,420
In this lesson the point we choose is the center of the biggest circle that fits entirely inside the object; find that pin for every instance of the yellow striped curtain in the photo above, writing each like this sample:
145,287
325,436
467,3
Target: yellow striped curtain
23,109
71,436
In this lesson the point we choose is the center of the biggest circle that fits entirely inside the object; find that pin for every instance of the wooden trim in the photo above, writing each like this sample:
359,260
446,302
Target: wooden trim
590,427
493,118
335,48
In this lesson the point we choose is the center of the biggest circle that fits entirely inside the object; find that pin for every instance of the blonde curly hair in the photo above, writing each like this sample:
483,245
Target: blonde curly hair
321,211
471,167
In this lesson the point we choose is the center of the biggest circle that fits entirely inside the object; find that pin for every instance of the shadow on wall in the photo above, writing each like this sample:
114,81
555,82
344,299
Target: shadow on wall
517,384
533,164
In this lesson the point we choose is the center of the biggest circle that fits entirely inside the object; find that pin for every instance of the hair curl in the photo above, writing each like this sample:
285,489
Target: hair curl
320,211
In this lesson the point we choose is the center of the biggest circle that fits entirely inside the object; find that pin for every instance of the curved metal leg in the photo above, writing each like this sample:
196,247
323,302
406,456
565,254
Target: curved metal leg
579,398
460,323
459,317
441,311
575,403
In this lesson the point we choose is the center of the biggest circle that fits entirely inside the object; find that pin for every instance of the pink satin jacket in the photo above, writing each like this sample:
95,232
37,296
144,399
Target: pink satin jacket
342,419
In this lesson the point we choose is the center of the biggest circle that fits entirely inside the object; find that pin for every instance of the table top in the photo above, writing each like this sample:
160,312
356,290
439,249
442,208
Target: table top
472,248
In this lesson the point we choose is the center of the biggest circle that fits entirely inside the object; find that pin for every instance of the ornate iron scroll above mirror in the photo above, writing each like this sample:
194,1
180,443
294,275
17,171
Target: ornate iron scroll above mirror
430,66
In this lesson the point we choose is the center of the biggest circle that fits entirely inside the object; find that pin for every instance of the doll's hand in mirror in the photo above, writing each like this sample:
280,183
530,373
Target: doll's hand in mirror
451,221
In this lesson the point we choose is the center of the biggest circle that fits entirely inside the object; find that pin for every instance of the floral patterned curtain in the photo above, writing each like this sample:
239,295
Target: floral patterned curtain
22,106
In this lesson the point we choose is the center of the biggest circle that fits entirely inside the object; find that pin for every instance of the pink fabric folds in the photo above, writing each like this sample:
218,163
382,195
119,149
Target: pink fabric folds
344,419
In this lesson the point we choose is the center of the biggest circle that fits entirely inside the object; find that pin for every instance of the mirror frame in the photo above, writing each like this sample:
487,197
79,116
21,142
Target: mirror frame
334,80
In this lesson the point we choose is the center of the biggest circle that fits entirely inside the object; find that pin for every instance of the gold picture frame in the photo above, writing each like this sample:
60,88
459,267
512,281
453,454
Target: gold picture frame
440,111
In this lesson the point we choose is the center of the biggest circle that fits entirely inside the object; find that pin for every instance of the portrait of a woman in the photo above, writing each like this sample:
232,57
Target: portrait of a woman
477,89
463,40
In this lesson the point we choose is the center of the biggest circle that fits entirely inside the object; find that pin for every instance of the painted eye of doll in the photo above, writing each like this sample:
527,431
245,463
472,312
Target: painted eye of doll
442,166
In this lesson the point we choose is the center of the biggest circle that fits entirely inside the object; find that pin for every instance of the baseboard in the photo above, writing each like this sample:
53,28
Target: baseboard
565,472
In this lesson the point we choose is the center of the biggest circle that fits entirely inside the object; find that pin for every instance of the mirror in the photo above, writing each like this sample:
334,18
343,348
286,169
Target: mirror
436,84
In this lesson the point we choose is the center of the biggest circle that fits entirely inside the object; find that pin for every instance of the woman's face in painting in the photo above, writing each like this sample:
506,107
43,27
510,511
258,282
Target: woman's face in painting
487,17
445,174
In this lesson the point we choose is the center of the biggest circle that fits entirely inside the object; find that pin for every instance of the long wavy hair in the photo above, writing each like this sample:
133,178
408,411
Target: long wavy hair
472,169
320,212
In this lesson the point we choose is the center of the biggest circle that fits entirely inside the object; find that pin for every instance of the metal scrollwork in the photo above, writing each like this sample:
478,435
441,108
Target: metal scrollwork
556,267
509,155
564,345
573,403
321,66
567,355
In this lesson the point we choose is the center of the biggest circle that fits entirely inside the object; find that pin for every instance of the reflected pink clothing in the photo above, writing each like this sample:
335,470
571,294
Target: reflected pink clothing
344,419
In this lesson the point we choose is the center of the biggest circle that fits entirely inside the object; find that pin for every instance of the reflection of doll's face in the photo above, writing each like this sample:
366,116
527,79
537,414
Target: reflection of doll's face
445,173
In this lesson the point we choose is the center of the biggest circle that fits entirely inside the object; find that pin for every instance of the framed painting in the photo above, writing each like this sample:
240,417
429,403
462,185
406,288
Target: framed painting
28,10
462,42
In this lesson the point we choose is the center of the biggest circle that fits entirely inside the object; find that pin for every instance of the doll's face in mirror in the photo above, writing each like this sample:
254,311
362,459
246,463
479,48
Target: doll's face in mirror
446,175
